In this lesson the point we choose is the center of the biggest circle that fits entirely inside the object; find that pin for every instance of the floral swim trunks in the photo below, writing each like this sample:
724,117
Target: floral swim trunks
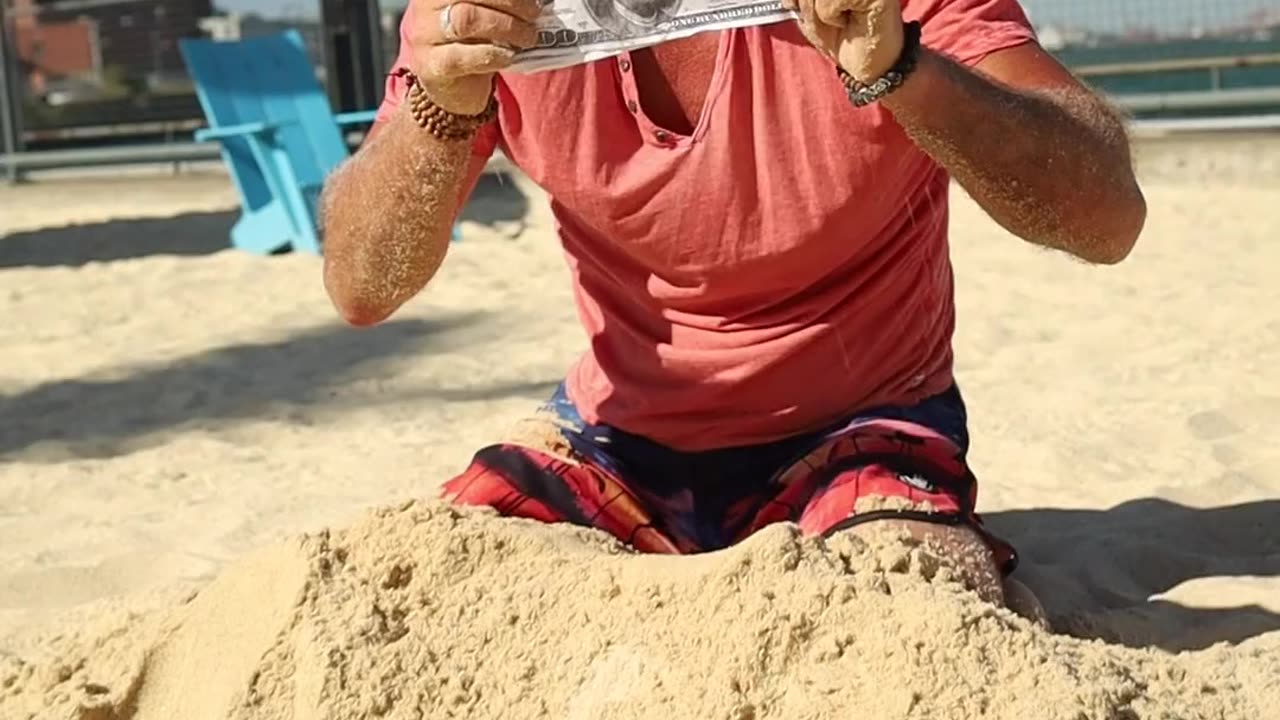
661,500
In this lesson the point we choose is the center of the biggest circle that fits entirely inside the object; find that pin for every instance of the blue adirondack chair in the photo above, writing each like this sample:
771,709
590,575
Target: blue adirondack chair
278,134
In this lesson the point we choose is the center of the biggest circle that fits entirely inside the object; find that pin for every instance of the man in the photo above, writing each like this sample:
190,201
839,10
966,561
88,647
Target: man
756,224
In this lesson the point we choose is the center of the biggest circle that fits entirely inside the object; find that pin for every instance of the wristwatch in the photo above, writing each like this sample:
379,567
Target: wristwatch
861,94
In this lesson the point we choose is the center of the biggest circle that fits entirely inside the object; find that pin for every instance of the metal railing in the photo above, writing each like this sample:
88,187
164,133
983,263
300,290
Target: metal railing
1199,100
1213,64
1241,123
171,153
1217,98
1166,17
1237,107
14,164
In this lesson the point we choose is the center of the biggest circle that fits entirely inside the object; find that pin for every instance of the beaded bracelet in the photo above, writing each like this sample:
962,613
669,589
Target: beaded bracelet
862,95
442,124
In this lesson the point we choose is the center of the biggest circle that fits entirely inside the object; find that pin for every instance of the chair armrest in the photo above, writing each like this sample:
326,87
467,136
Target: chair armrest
355,118
229,131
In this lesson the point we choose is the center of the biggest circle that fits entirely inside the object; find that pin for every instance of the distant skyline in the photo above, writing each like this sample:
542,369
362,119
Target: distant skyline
1099,15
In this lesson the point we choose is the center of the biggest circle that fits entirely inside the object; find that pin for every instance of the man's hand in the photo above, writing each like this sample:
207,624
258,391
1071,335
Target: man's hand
458,46
387,211
862,36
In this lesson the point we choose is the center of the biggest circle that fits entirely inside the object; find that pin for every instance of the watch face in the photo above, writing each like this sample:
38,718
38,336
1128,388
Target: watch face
632,18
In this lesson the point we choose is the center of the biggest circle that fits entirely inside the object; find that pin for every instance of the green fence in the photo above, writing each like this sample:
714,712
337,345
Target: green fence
1185,78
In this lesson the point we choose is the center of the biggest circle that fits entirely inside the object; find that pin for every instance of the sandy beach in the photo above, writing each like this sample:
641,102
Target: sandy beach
174,413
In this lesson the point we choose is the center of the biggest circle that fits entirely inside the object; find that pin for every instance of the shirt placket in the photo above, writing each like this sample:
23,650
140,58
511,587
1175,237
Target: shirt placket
652,134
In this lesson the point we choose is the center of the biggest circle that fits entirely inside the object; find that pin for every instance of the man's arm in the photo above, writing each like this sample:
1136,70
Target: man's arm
1043,155
388,210
387,213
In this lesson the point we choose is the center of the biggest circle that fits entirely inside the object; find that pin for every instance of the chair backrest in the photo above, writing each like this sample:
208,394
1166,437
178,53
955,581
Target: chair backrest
266,79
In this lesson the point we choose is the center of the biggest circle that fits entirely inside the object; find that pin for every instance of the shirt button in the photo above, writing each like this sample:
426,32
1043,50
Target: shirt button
631,105
662,136
624,64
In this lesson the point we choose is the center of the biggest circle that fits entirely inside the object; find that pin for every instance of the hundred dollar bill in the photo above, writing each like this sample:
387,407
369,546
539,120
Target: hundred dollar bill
571,32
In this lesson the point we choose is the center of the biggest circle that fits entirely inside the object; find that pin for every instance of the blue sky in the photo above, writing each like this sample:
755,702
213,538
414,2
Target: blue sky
1095,14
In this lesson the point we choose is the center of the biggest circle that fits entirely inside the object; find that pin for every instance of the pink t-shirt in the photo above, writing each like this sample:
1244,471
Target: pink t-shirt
782,267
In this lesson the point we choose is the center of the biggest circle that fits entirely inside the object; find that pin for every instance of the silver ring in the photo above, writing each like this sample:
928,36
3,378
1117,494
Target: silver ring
446,21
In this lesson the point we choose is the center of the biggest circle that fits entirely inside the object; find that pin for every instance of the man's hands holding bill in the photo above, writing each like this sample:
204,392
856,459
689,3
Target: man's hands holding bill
864,37
458,46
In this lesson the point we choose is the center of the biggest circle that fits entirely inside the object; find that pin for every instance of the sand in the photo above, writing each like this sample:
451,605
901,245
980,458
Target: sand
178,425
423,611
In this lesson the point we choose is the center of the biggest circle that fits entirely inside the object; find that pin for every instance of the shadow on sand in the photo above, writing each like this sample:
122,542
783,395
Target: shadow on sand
1096,571
201,233
330,365
497,202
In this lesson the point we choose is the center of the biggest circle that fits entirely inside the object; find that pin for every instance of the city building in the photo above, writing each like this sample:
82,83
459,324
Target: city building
53,53
135,39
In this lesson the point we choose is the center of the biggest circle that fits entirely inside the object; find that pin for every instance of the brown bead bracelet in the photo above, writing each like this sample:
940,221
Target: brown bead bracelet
442,124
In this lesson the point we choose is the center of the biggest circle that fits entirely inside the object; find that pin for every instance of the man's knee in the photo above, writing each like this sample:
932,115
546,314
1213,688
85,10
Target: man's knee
1020,599
960,547
968,555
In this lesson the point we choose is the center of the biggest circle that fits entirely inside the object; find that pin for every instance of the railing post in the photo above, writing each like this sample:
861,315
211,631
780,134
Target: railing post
10,105
353,56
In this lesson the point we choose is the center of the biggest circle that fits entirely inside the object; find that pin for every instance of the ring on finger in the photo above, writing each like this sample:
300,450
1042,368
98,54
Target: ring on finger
446,22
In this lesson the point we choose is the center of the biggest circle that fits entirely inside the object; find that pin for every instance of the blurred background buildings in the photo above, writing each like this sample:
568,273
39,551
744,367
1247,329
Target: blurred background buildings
102,73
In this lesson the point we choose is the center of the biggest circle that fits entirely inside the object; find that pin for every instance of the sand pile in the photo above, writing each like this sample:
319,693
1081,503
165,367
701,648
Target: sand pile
430,612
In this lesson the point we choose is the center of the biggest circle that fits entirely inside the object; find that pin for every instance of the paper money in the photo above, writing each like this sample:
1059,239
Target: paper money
571,32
